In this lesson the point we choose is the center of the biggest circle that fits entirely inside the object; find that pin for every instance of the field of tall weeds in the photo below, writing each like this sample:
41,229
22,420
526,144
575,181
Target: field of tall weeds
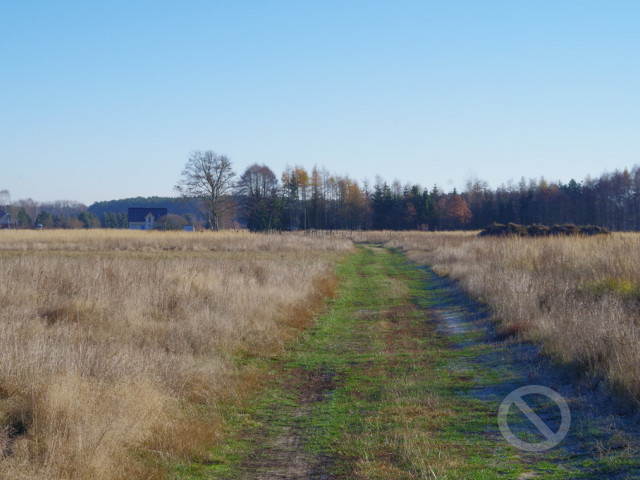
116,347
578,297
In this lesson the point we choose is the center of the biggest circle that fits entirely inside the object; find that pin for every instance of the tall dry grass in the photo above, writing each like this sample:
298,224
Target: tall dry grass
116,347
579,297
157,241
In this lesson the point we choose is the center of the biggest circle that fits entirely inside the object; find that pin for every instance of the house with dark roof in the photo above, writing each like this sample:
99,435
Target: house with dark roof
5,219
143,218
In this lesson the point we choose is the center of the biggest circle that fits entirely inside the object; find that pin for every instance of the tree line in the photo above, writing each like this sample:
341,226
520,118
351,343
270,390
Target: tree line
611,201
301,199
28,213
214,196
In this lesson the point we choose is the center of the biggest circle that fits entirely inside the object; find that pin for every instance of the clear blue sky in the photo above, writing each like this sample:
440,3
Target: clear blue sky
103,100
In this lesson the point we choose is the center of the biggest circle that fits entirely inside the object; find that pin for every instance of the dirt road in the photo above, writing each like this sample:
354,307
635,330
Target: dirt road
402,378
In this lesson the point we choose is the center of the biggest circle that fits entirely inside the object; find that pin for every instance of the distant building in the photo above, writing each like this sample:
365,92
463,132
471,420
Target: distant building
188,228
145,218
5,219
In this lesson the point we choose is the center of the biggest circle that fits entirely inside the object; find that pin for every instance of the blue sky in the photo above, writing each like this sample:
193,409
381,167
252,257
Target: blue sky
104,100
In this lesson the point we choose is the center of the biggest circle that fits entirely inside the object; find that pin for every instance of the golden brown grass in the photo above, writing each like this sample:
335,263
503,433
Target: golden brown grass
116,346
155,241
577,296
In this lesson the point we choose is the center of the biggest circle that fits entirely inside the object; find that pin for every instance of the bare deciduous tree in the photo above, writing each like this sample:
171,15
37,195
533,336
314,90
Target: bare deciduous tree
208,177
5,198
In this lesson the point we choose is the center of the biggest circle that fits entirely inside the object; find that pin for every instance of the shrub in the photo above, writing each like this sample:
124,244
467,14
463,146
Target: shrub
537,230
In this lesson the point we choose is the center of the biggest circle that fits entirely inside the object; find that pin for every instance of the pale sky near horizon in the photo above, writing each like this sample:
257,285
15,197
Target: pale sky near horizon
102,100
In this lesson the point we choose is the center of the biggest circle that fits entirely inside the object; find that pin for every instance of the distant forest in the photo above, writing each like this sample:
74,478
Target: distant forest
320,200
316,199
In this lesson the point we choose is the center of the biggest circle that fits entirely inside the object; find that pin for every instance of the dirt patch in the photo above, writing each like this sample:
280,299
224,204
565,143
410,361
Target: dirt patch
283,458
283,455
404,327
312,386
375,249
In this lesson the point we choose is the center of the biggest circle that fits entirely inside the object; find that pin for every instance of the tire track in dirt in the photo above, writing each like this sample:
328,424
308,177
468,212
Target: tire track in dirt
282,455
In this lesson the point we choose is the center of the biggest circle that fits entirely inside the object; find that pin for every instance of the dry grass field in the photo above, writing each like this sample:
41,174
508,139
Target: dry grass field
579,297
116,346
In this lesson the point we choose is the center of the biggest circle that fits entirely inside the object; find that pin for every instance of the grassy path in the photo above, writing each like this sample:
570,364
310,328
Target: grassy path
400,380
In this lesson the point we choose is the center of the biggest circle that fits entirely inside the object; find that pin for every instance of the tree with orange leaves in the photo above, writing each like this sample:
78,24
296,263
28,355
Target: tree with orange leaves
455,211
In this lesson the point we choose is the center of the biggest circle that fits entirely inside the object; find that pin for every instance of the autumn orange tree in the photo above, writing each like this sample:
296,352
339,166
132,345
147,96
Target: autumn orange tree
454,210
295,189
